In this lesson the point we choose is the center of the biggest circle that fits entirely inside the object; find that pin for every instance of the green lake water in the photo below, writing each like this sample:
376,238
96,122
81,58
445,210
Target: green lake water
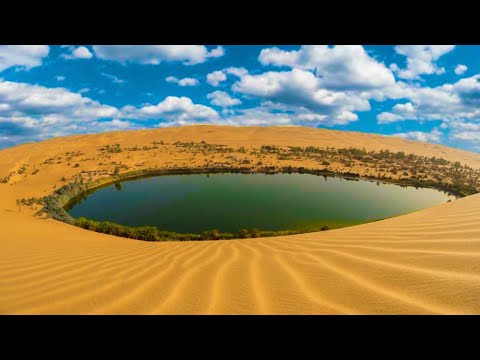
230,202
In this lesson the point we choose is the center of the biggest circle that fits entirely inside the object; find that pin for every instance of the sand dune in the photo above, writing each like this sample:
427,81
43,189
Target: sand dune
427,262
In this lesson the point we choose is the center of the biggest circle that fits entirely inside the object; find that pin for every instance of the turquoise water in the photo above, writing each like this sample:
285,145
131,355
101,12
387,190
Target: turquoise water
230,202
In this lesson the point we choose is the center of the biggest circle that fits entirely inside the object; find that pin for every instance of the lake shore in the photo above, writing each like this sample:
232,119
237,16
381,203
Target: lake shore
122,226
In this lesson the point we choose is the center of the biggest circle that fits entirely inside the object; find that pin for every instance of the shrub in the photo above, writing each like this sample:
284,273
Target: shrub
255,233
243,233
325,228
148,233
214,234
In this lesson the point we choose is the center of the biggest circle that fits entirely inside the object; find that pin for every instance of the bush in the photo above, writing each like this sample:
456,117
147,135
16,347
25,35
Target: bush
325,228
211,235
148,233
255,233
243,233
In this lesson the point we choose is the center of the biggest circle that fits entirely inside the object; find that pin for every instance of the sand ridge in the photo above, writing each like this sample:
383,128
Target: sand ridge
426,262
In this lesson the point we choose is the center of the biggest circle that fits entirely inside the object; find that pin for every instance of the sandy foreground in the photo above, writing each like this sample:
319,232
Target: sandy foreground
421,263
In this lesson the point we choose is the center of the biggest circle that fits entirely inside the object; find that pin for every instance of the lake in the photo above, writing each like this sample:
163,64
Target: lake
230,202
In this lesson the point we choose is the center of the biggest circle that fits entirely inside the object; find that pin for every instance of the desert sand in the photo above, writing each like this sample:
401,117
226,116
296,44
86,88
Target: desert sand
427,262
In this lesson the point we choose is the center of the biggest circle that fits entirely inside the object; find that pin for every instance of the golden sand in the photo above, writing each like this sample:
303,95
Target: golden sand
421,263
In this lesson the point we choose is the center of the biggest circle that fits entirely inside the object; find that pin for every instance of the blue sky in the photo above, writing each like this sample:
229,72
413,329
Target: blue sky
423,92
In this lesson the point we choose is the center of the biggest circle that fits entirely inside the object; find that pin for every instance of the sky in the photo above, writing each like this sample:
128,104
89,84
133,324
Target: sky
422,92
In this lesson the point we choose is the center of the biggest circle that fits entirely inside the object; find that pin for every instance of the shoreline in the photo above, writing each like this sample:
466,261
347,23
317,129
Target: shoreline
57,204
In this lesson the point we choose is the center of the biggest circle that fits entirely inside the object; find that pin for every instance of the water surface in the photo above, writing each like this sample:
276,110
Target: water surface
230,202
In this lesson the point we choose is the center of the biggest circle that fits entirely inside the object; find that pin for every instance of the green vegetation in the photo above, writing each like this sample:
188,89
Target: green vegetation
152,233
115,148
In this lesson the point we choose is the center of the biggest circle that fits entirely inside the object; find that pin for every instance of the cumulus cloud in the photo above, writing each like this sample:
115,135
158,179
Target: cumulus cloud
32,112
421,60
433,136
303,90
80,52
34,99
216,77
24,56
448,102
257,117
386,118
172,108
286,116
222,99
182,82
460,69
466,135
464,131
236,71
342,67
219,76
155,54
60,78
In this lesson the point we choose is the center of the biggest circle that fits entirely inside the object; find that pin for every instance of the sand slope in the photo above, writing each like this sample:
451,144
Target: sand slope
422,263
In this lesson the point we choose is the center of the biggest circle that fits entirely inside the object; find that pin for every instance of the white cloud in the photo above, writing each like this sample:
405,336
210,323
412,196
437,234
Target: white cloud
263,116
83,91
216,77
346,117
155,54
172,108
466,135
114,78
433,136
464,131
236,71
34,99
463,126
222,99
460,69
219,76
342,67
257,117
421,59
278,57
111,125
448,102
32,112
59,78
302,90
182,82
386,118
25,56
80,52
